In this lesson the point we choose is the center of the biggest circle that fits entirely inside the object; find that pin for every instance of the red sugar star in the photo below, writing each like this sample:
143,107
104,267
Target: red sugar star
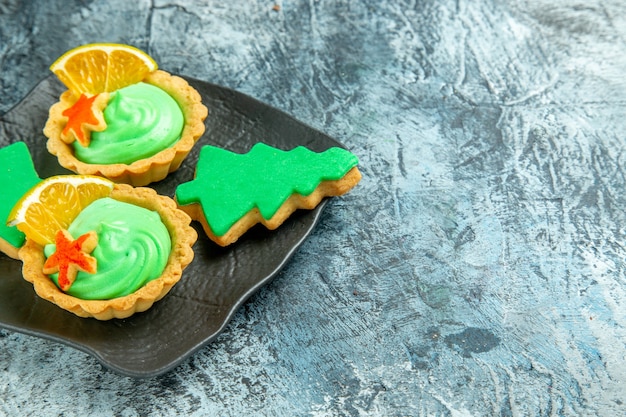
72,256
84,117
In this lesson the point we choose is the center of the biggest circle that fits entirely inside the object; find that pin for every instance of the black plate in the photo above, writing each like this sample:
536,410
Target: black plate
216,283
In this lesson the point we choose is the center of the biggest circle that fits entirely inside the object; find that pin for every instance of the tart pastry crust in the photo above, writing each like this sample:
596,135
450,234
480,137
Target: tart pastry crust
183,237
143,171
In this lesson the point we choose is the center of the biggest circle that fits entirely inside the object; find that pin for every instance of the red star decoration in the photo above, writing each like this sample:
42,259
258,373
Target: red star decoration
72,256
84,117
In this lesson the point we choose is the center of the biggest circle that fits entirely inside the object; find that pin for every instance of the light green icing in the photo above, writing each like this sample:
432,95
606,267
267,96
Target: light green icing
133,249
228,185
141,119
17,176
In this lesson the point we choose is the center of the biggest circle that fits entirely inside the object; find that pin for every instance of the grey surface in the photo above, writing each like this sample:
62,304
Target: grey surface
477,269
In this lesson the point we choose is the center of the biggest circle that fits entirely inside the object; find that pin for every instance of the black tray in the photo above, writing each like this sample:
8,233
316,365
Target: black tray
217,282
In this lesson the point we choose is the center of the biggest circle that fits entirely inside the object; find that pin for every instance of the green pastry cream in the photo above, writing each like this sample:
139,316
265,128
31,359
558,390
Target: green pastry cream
133,249
141,119
228,185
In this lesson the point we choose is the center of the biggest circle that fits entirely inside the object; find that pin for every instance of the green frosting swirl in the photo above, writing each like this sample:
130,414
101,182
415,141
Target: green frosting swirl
133,249
141,119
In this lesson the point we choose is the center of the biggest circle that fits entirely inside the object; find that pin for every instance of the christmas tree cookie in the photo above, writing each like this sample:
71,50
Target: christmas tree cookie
17,175
232,192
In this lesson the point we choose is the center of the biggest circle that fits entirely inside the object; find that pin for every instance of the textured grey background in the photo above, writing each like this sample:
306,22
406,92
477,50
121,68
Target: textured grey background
478,268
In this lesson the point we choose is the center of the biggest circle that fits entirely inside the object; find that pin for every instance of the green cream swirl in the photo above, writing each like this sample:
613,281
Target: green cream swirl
133,249
141,119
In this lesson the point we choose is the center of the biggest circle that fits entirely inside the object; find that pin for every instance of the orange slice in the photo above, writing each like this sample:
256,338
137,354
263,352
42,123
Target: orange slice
54,203
102,67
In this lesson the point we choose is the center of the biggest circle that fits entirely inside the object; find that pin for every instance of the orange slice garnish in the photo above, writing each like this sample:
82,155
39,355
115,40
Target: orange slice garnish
54,203
102,67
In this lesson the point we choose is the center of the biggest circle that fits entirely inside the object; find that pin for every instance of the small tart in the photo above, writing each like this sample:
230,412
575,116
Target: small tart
143,171
183,237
